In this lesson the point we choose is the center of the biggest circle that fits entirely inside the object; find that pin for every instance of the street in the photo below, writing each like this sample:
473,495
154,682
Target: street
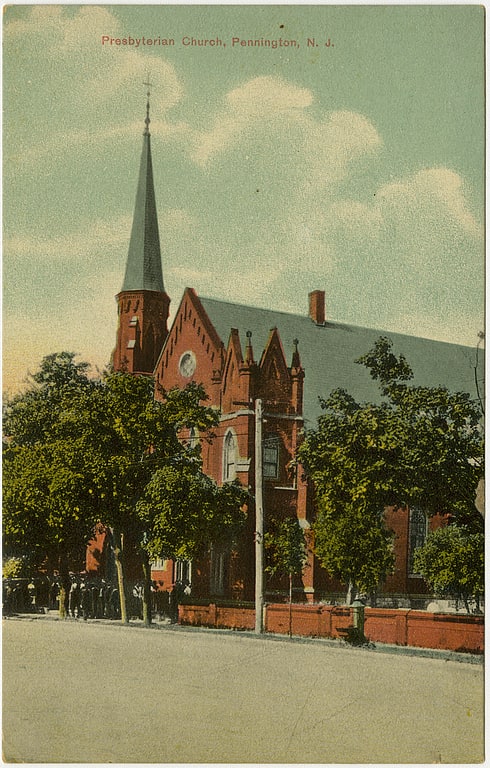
88,692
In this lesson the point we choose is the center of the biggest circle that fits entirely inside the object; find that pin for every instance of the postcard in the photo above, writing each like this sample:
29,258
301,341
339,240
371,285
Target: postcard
278,210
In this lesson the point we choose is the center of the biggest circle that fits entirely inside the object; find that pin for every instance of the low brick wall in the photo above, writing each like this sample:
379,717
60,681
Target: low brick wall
219,616
454,632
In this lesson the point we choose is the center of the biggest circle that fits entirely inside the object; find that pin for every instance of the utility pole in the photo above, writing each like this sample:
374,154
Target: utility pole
259,523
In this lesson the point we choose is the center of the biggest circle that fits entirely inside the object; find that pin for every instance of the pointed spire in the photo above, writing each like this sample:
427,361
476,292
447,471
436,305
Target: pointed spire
296,362
144,263
249,354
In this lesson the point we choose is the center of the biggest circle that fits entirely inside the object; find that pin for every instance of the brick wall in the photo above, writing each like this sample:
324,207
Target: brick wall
452,632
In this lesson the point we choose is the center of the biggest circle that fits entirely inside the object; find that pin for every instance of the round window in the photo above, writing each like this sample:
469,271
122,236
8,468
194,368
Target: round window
187,364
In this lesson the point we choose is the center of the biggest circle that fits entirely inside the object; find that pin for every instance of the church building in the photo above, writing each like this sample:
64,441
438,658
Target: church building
242,353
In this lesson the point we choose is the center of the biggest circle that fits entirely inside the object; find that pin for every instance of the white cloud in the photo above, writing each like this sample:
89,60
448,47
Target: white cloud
261,99
268,123
432,193
460,328
334,145
357,218
80,77
268,95
82,245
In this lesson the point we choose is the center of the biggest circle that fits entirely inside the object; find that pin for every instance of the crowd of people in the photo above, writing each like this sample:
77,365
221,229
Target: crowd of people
88,597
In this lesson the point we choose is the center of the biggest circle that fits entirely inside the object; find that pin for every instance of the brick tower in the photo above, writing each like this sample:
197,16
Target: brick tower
142,302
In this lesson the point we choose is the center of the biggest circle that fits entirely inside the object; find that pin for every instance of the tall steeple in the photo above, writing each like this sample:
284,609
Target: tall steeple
142,303
144,263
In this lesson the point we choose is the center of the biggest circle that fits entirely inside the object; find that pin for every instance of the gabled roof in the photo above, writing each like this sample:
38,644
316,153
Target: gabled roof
328,353
144,263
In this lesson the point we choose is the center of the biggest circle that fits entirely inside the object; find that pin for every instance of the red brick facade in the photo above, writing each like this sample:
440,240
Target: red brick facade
142,330
237,354
233,380
234,375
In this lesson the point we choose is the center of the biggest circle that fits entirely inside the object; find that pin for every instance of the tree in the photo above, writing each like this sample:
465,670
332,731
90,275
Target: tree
287,553
15,568
83,451
452,562
440,439
184,510
419,446
44,477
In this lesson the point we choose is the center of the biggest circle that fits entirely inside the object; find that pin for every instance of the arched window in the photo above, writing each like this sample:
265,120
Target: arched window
270,461
229,456
217,571
183,571
417,535
193,437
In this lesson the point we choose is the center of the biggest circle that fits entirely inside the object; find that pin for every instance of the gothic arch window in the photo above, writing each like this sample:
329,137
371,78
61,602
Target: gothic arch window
193,437
183,571
230,456
217,572
270,458
418,529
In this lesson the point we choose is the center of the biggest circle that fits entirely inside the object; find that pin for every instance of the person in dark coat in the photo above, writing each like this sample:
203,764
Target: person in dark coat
175,598
85,601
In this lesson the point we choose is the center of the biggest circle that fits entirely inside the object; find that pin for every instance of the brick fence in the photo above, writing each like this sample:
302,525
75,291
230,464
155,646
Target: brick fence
454,632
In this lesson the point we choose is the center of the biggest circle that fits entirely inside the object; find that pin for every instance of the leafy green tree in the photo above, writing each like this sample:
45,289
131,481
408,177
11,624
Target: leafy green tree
286,549
15,568
356,547
44,478
29,416
184,510
439,437
82,451
419,446
452,562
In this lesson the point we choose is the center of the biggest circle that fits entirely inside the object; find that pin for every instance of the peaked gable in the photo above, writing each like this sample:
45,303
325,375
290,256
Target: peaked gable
192,351
275,379
240,375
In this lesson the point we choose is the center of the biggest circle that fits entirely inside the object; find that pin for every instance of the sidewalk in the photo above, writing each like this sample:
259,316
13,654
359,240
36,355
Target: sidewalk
157,624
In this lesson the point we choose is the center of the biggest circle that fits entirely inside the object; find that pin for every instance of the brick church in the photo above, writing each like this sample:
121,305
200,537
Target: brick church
241,353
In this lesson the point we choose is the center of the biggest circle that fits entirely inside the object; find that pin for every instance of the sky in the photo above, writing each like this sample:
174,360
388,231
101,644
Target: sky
353,164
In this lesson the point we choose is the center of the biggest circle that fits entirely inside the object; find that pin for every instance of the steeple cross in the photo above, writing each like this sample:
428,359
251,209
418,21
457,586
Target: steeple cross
147,119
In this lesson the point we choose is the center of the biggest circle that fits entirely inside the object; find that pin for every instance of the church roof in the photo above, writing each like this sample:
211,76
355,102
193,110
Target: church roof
144,263
328,353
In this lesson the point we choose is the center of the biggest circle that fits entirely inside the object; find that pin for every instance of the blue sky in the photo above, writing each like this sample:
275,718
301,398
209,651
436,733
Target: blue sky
356,168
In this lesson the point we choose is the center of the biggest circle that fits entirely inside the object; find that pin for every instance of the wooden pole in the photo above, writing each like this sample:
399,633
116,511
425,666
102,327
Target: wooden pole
259,523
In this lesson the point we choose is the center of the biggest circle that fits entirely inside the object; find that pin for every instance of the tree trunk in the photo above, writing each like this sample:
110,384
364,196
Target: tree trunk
351,593
117,547
146,590
62,598
290,605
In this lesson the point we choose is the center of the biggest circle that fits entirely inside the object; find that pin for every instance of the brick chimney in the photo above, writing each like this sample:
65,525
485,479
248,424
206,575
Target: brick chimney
317,307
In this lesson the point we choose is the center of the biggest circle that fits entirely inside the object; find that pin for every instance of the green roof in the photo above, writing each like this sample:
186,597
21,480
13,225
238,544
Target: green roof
328,353
144,263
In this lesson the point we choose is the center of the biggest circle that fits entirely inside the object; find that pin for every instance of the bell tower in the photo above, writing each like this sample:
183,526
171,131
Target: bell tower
143,304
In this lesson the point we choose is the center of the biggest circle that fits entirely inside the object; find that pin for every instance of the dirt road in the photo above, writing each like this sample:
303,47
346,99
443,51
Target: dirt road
82,692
